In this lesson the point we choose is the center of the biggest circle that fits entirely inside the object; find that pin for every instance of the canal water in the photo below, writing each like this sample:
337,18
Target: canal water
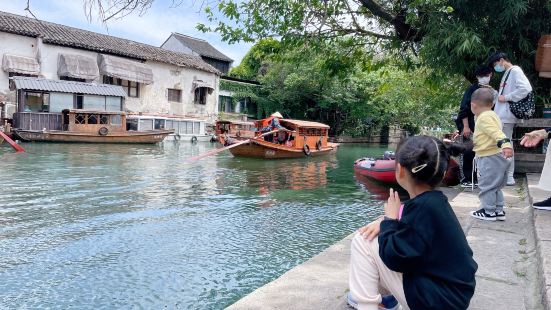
126,226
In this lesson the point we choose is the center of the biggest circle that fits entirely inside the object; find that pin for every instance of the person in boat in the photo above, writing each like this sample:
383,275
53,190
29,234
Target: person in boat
408,252
269,124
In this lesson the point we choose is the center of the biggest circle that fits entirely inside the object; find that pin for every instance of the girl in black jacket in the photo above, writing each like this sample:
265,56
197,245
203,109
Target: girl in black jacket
421,255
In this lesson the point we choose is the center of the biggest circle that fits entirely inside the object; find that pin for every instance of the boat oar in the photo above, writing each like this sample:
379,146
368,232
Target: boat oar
15,146
213,152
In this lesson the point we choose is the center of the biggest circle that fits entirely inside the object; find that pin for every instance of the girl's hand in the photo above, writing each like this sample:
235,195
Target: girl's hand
392,207
371,230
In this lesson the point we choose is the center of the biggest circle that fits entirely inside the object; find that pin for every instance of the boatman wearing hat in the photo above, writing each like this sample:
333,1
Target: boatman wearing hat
271,122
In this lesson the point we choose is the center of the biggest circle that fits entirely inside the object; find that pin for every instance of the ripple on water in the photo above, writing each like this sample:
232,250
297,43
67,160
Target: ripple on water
102,226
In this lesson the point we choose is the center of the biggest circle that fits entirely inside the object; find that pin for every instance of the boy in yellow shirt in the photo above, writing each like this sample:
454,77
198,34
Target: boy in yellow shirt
492,150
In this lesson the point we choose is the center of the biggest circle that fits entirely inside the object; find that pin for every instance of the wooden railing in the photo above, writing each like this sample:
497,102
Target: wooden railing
37,121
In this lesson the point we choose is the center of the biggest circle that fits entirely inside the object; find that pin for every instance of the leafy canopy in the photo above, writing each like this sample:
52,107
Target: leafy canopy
451,36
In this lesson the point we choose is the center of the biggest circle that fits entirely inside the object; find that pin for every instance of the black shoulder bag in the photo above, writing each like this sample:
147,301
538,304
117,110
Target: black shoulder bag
524,108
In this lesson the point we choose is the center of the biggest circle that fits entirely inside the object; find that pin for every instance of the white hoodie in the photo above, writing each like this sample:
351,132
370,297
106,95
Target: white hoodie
516,88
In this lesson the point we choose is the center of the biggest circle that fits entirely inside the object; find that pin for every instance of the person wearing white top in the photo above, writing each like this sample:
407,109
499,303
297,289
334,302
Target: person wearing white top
514,86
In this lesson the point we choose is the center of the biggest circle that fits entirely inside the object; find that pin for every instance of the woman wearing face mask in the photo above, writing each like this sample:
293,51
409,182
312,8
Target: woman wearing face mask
465,124
514,87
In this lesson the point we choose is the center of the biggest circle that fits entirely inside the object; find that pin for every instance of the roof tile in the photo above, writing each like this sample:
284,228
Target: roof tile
73,37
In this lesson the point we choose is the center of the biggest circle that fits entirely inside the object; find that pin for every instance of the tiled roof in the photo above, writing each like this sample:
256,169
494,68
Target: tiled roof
32,83
201,47
68,36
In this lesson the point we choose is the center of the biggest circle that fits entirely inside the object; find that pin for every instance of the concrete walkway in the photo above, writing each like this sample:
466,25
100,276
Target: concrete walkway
511,274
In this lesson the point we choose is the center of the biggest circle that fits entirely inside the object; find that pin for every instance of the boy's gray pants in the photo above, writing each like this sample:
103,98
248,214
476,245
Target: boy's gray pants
492,177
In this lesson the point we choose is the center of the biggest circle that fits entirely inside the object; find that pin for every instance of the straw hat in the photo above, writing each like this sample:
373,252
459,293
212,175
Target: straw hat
277,114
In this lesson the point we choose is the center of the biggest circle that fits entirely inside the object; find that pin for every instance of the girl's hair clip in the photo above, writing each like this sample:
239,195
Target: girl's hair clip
418,168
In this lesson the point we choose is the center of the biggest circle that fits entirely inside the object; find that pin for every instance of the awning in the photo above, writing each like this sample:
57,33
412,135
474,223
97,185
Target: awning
20,64
199,84
77,66
31,83
125,69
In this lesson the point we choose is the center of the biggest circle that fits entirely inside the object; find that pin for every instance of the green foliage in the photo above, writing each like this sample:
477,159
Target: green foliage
351,92
448,36
251,65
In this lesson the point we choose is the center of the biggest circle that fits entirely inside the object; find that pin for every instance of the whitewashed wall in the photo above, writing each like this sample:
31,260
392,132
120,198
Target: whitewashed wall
173,44
153,98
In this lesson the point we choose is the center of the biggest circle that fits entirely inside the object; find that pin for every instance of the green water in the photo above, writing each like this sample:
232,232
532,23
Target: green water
123,226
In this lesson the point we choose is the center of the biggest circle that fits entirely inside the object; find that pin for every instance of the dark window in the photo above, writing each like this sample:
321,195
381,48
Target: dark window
132,89
131,124
67,78
159,124
104,119
80,118
37,102
92,119
79,101
201,95
174,95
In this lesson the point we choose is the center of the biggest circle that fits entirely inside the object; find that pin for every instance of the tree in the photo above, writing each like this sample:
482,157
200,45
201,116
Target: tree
450,35
252,64
352,93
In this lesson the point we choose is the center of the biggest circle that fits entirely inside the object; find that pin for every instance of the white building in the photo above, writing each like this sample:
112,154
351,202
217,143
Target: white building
156,80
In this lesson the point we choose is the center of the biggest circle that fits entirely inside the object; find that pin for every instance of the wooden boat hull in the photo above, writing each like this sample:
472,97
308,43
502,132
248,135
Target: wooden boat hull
152,136
268,150
383,170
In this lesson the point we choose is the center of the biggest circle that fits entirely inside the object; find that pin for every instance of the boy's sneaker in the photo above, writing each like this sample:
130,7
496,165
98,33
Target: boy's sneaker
468,185
388,302
500,215
543,205
482,215
511,181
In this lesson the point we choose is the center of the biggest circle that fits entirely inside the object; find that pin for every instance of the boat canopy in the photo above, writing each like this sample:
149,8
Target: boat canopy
237,122
303,124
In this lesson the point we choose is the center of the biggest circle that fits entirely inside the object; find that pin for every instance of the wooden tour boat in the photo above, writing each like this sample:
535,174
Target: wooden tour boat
384,170
296,139
227,131
93,127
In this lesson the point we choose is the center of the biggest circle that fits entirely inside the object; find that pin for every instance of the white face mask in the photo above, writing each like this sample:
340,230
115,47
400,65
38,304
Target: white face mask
485,80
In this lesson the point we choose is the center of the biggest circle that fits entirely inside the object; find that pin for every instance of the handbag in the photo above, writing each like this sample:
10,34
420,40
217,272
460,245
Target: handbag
525,108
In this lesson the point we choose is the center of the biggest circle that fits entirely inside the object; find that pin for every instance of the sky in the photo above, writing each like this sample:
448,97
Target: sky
153,27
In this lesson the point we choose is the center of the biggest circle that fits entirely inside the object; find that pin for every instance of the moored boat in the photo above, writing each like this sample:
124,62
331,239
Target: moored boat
294,139
384,170
184,129
93,127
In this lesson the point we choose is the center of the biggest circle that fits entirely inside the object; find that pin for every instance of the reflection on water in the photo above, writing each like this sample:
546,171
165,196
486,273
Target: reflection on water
113,226
380,191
